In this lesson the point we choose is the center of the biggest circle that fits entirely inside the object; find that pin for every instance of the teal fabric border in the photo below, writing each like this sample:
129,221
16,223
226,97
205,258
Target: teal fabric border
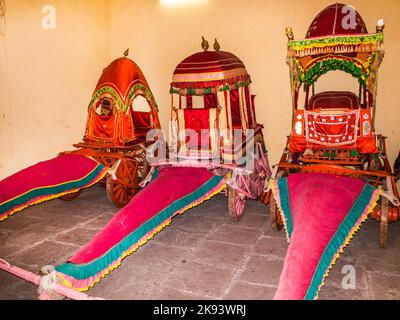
338,239
90,269
155,174
51,190
285,204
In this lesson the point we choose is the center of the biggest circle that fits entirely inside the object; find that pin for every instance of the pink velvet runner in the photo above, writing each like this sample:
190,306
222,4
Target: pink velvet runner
48,180
321,214
173,191
170,185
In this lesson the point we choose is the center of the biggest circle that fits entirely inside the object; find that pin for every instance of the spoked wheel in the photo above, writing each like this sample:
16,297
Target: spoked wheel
122,190
237,200
274,214
71,196
143,167
261,166
236,203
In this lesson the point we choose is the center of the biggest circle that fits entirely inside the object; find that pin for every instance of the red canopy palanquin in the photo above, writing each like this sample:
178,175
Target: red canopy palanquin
211,92
111,116
337,40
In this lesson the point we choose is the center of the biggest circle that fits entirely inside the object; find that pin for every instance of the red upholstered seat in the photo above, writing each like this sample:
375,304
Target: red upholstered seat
141,122
334,100
197,125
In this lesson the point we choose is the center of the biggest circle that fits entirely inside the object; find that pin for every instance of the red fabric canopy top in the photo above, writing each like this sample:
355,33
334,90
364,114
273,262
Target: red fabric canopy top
111,117
209,69
336,20
121,75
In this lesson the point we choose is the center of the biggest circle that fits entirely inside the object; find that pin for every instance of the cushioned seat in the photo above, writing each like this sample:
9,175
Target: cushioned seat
141,122
334,100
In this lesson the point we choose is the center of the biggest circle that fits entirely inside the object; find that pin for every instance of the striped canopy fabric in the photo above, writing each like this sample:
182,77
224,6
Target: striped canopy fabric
209,69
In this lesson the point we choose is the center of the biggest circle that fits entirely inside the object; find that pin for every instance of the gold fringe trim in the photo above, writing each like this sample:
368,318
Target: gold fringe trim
111,268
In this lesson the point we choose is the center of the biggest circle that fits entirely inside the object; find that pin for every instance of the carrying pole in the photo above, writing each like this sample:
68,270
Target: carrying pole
46,283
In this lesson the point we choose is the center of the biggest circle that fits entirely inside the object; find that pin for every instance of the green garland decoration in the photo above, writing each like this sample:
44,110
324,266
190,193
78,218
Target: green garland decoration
109,90
205,91
320,68
300,45
140,87
132,93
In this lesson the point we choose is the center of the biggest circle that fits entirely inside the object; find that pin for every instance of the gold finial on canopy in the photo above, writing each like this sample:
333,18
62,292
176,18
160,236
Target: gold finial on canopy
380,26
217,47
289,33
126,53
204,44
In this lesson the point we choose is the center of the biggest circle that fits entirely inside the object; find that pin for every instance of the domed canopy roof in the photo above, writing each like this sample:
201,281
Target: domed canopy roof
209,69
334,20
121,75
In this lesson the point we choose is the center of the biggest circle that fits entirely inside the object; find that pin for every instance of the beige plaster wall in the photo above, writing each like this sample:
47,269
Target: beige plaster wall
47,77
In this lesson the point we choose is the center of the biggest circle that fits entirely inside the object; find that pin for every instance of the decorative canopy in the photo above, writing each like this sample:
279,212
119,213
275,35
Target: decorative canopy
328,22
123,80
209,72
336,40
111,115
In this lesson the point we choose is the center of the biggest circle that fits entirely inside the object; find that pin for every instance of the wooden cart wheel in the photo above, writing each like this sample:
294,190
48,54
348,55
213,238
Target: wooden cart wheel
122,190
143,170
260,163
71,196
384,221
274,214
236,204
143,167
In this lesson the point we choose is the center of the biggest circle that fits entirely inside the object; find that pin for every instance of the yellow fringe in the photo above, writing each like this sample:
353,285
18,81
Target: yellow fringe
372,204
111,268
54,196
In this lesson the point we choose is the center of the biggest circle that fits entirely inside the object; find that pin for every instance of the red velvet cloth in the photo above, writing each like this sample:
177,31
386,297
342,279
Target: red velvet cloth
141,120
210,101
104,127
126,122
120,74
329,23
199,121
332,130
235,110
249,107
189,102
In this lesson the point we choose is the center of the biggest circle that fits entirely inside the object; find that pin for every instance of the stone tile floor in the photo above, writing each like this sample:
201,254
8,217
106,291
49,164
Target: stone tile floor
202,255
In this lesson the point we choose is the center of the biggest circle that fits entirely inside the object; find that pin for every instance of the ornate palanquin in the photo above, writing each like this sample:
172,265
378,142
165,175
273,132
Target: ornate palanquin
214,126
120,114
111,115
211,91
334,131
336,40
